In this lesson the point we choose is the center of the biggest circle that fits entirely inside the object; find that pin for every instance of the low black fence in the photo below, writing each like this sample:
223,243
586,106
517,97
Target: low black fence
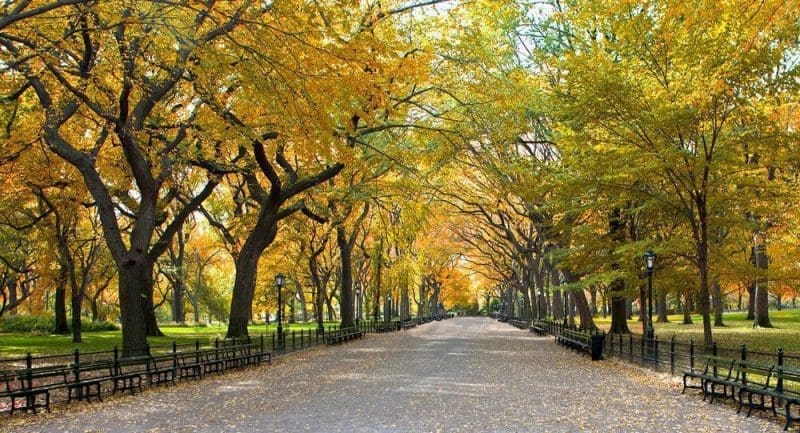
31,382
675,356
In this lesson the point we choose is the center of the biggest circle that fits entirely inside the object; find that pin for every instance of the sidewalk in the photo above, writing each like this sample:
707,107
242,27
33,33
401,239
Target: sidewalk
458,375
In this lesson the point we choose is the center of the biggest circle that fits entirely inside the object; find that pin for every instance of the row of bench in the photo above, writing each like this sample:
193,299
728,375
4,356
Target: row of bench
342,335
30,388
743,380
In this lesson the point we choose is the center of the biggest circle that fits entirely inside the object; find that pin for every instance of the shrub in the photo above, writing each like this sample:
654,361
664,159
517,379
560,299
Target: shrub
28,323
99,326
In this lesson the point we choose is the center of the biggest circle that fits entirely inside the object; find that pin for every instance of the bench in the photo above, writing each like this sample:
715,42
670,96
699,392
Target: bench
716,368
212,361
342,335
27,385
754,379
189,365
517,323
577,340
407,324
385,327
539,327
84,388
787,388
253,354
161,369
128,374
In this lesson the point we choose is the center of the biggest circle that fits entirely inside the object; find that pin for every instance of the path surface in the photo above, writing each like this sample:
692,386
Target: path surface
459,375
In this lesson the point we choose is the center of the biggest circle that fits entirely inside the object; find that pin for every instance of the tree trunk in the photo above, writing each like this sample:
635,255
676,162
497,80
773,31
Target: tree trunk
134,274
376,305
716,299
687,308
661,306
61,326
760,286
262,235
178,312
346,293
558,305
619,304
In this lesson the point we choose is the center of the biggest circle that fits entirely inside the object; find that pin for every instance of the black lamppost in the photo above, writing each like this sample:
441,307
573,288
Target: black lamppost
358,302
649,264
279,284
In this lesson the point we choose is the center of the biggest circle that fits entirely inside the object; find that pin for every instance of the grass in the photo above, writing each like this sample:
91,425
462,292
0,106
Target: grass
737,331
16,345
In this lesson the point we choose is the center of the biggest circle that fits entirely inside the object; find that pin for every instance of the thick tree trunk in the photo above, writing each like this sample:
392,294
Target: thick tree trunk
619,304
77,307
760,286
262,235
557,305
619,309
346,293
716,299
178,312
61,326
661,306
134,274
687,308
581,304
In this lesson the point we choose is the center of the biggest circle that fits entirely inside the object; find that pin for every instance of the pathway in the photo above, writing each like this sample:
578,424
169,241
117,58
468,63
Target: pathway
459,375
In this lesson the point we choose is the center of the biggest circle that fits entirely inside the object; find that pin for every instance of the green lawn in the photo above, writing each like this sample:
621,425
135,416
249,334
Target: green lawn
737,331
15,345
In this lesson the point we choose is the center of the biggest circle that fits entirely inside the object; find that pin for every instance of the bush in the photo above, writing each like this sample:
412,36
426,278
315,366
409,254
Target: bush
99,326
25,323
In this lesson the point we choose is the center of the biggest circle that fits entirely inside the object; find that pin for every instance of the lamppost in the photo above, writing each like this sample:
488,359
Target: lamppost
649,264
358,302
279,284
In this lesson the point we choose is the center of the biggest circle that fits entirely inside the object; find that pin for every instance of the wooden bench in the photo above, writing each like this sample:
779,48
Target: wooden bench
253,354
787,388
539,327
753,379
342,335
408,324
190,365
383,327
577,340
82,387
212,361
517,323
161,369
27,385
128,374
14,389
716,368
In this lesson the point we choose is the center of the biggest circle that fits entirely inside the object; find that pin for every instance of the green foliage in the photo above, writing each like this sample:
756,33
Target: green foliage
37,324
99,326
30,324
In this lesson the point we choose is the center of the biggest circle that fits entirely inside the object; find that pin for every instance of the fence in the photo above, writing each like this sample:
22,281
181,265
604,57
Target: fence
62,372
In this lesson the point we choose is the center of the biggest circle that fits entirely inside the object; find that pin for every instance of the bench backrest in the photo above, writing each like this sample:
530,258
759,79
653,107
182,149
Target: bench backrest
43,376
719,366
89,369
753,373
787,380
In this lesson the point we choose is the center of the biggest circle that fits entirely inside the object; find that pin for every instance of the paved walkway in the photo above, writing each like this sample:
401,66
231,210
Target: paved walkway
460,375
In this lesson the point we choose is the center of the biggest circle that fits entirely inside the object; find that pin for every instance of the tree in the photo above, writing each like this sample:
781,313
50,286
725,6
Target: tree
108,78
